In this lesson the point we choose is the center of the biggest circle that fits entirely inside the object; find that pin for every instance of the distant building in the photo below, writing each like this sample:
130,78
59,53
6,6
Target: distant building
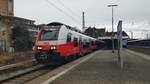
27,24
101,34
108,35
7,7
4,34
9,21
95,32
107,38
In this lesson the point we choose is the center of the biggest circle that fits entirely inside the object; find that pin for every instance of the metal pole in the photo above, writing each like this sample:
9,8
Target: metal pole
83,22
147,36
112,30
113,47
131,35
119,34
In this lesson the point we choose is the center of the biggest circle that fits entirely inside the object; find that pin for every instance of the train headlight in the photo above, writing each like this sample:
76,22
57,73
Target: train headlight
53,48
39,48
33,48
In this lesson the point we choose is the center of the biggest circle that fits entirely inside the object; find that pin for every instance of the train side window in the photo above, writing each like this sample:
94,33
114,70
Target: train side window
69,37
92,43
86,44
75,42
80,40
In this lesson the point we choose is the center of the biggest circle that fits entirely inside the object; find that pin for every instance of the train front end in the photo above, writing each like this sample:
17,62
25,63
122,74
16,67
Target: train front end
46,45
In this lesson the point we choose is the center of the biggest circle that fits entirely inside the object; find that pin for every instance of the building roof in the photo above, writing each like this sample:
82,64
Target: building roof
115,33
94,32
16,18
102,34
90,29
60,24
108,35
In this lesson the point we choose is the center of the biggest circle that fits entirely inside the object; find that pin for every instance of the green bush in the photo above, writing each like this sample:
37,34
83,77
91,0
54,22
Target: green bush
22,40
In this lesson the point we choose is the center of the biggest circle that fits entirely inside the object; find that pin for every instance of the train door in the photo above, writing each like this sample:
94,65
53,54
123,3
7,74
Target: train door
80,43
81,46
75,42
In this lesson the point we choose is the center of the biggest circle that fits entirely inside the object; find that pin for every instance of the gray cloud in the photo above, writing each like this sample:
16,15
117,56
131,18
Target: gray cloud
97,12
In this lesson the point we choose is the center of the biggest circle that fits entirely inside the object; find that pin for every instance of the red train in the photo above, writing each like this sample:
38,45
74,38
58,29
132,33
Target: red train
57,42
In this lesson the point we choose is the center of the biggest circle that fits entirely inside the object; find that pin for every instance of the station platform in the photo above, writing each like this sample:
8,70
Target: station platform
102,68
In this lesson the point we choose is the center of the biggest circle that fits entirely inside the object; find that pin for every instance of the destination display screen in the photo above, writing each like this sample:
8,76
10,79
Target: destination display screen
52,28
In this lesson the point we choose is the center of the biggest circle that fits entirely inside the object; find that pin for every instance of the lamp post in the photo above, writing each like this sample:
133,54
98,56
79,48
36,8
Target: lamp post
131,34
112,6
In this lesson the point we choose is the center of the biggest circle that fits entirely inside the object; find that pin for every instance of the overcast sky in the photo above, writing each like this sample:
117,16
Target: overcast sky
134,13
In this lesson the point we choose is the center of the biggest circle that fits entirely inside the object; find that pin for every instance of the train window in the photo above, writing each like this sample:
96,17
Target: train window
49,35
69,37
75,42
86,44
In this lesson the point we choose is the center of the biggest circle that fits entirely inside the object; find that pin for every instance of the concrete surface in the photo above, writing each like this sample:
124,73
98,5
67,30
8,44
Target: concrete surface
61,70
103,69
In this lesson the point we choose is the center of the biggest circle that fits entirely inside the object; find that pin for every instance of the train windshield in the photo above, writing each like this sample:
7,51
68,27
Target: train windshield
49,35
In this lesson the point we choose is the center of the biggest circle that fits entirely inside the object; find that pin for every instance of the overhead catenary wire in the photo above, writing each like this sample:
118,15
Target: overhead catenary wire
71,11
52,4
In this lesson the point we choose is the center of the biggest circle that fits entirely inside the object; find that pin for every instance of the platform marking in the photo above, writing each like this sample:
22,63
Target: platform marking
145,56
65,71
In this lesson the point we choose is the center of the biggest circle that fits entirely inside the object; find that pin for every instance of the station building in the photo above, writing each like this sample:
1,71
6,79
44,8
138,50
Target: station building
8,21
95,32
107,38
103,35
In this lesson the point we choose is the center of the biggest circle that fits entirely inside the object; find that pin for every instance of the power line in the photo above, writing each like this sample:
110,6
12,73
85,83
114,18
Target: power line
71,11
62,11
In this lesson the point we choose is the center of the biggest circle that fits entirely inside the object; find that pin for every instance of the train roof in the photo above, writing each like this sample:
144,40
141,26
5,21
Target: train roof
55,24
60,24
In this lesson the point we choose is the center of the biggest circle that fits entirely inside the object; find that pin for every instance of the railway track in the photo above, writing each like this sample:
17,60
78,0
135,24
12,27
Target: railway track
6,67
142,49
26,75
23,76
